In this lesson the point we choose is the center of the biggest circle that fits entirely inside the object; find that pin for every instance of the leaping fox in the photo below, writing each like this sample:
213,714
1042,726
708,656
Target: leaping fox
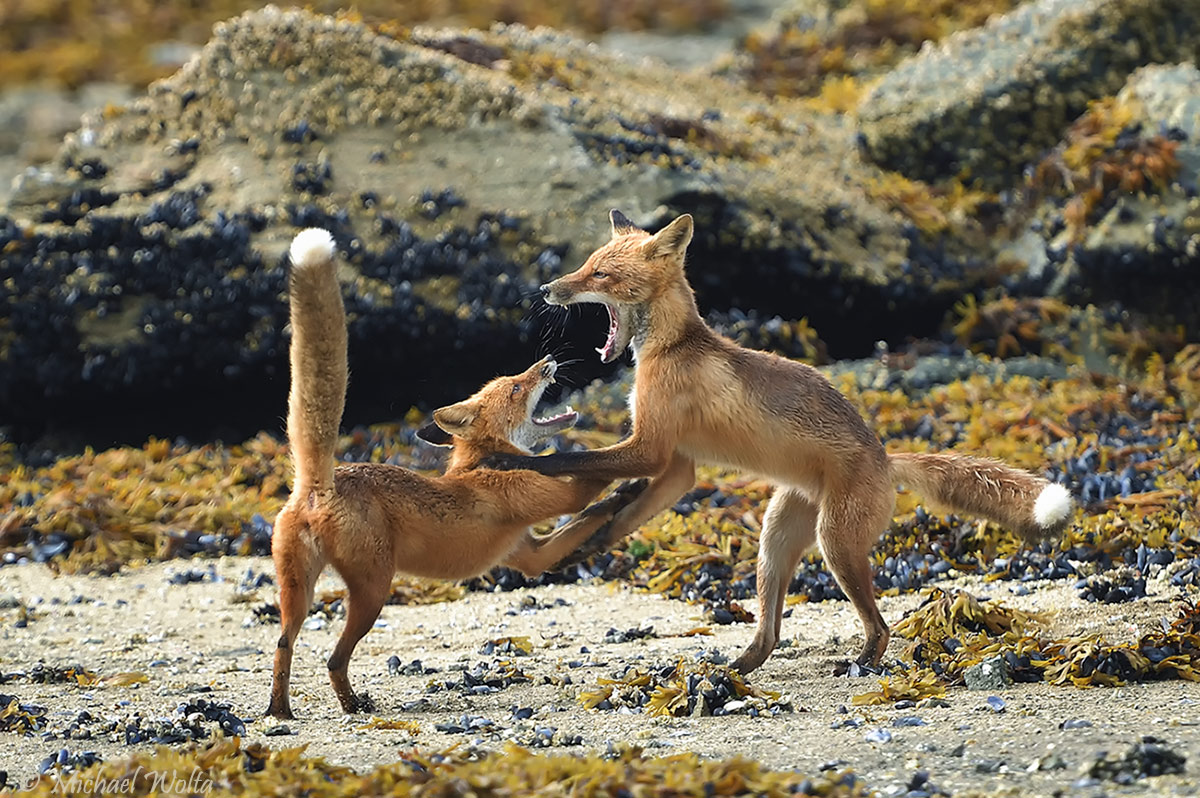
699,397
370,520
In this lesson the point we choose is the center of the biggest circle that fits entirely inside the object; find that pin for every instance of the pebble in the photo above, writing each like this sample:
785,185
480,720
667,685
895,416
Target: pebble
991,674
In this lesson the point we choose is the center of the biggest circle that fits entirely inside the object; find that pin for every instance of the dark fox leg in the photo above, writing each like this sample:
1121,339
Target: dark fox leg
660,493
567,545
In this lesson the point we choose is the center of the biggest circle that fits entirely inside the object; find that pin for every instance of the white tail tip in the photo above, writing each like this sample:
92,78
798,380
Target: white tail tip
1052,506
311,247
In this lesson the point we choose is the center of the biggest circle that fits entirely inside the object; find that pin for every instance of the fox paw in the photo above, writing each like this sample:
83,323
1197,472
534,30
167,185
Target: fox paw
360,702
596,544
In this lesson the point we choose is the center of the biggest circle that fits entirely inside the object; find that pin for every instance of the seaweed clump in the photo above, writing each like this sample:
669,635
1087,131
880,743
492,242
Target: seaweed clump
1009,326
20,718
97,511
686,688
1106,154
954,630
227,767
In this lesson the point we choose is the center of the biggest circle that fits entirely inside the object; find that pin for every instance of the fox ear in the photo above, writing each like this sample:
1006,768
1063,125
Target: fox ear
455,419
434,435
621,225
672,240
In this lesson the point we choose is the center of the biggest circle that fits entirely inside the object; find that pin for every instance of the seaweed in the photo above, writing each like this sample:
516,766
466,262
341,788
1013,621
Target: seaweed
1106,153
953,630
685,688
230,767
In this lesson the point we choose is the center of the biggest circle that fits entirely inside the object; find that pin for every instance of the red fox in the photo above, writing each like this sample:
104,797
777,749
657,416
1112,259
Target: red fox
700,397
370,520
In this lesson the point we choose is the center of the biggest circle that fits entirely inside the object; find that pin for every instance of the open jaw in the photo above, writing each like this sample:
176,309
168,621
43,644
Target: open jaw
535,430
557,422
619,333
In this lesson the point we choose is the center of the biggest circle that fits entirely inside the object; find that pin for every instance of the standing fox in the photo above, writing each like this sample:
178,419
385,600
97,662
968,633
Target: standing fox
370,520
700,397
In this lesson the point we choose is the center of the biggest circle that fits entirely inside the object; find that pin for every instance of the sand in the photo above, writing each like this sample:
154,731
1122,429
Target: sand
193,637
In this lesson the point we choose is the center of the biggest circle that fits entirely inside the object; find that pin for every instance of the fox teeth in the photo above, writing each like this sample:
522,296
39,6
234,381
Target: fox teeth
558,416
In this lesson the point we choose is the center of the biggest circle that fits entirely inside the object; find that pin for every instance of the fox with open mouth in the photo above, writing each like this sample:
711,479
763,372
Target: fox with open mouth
699,397
370,520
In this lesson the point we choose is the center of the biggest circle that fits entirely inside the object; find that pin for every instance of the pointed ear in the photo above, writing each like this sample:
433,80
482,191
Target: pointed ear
455,419
621,225
672,240
434,435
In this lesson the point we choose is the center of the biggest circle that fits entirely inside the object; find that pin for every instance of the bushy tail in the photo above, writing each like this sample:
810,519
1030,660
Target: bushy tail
1023,502
318,358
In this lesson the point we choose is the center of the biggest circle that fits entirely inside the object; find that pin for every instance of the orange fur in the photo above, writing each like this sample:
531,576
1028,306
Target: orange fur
699,397
370,520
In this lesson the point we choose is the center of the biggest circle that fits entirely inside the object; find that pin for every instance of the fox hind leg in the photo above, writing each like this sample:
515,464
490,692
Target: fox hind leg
298,563
847,527
789,529
365,596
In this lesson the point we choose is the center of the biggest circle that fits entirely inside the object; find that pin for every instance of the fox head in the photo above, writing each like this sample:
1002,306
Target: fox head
625,275
499,417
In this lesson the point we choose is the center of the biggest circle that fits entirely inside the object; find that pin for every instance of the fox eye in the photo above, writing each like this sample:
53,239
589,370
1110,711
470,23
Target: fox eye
599,275
516,390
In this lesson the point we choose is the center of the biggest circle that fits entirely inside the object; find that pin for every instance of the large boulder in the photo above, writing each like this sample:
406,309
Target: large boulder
984,103
145,268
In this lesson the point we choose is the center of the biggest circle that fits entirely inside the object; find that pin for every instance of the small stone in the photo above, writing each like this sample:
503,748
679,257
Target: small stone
878,736
991,674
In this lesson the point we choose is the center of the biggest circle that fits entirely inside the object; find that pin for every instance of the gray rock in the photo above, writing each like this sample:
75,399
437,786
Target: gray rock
929,371
1169,96
991,674
988,101
1143,249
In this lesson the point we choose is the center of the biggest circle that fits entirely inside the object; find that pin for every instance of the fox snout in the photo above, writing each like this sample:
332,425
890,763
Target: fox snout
554,293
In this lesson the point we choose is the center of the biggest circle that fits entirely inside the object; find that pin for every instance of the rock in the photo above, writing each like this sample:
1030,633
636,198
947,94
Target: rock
878,735
147,260
925,372
1142,247
988,101
1150,757
991,674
